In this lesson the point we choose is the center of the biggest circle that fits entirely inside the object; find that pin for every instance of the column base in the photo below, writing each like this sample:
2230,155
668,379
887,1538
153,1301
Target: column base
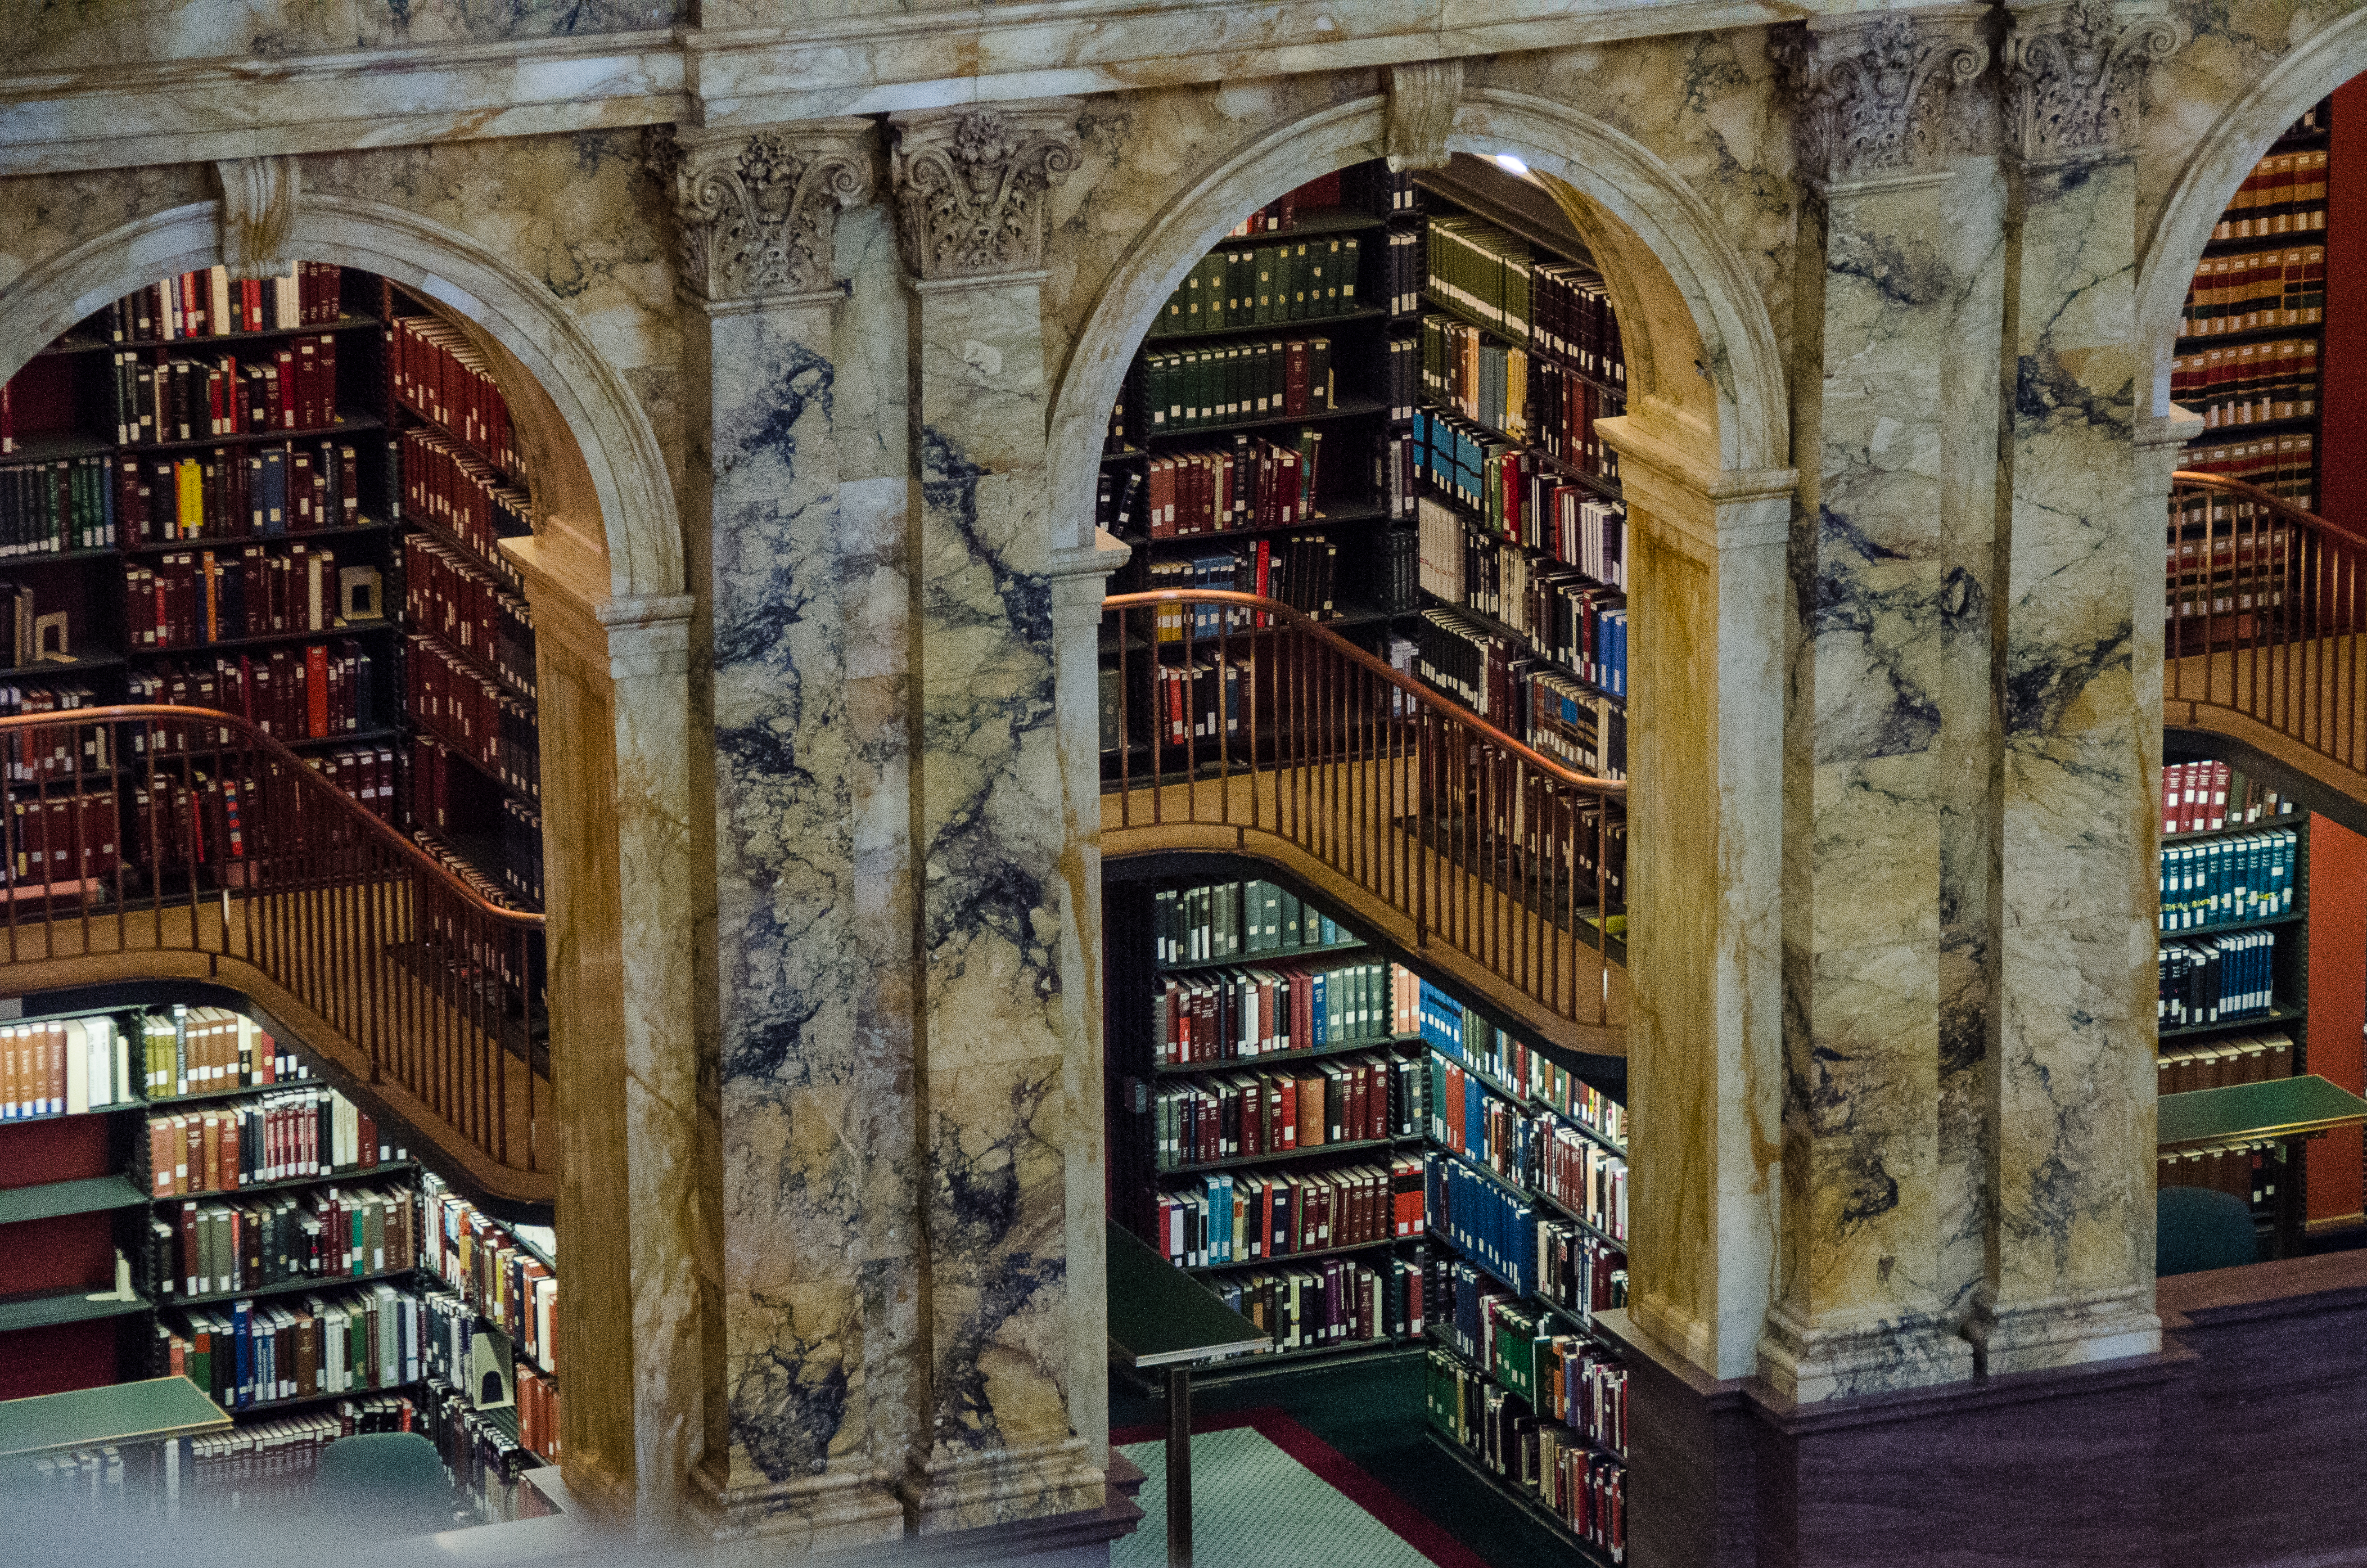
765,1523
1808,1365
961,1491
2067,1331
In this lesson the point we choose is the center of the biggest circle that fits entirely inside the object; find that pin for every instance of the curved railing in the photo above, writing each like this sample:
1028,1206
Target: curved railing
139,833
2264,616
1240,714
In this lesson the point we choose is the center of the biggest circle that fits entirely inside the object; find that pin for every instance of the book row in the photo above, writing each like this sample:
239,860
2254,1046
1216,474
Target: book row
1247,286
258,1352
2284,194
482,1454
68,838
464,608
1565,1377
1541,1155
365,773
1252,1014
439,375
1578,1485
1369,188
49,507
1492,675
46,754
276,1135
2218,979
471,715
1335,1301
312,692
1513,495
2285,465
2245,1059
1256,484
277,487
521,839
1561,612
2283,285
254,1465
1559,307
190,597
1300,570
458,492
492,890
65,1067
1247,1114
2207,797
2249,1171
2249,383
224,1248
1464,1037
211,304
1223,920
1242,1217
2216,557
161,398
2229,881
1532,400
1192,389
482,1263
1575,724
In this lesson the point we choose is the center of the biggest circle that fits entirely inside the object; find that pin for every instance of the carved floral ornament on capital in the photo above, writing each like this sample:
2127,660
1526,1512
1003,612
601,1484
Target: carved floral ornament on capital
758,214
1876,99
2074,77
970,187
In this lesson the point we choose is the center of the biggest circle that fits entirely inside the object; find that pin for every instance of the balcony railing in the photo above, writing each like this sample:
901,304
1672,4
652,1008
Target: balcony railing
2264,619
152,840
1238,717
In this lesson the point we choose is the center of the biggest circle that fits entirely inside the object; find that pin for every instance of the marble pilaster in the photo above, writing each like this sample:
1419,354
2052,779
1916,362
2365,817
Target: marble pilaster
2071,1277
1004,1089
817,1288
1705,1088
1864,1303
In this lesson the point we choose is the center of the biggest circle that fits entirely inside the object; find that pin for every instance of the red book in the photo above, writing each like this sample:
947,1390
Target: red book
316,690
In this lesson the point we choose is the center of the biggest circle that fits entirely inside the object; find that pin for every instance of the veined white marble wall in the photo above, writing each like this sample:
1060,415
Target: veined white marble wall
115,32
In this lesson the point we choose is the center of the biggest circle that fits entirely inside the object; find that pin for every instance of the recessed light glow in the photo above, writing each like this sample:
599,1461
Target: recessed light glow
1511,165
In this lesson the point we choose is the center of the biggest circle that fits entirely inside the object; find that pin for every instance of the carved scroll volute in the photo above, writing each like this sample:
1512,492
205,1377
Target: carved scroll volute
973,184
1422,112
758,210
2075,74
259,212
1874,99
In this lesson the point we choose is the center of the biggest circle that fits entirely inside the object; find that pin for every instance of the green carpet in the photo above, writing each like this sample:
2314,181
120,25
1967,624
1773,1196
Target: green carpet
1255,1506
1369,1410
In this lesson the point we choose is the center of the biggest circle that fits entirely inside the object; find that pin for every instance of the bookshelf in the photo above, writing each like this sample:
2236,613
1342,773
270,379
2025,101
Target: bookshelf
295,520
1494,1204
2234,974
2251,342
245,1210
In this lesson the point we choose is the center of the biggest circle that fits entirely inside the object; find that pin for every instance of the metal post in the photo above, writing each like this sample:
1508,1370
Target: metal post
1179,1466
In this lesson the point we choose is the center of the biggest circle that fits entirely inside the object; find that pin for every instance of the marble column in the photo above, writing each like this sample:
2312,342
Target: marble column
814,1289
1865,1304
1004,1086
1706,743
2071,1274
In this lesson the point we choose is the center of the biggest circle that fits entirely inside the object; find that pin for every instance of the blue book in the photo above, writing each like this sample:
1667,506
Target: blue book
242,1334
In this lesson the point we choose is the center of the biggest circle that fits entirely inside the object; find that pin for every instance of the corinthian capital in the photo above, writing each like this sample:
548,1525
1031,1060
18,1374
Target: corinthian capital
971,183
758,210
2073,75
1874,95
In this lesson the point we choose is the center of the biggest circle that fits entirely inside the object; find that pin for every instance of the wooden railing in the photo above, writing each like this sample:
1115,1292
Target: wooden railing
137,837
1240,714
2265,606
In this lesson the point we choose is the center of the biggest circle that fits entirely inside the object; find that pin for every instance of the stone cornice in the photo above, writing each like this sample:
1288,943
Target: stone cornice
1877,92
120,115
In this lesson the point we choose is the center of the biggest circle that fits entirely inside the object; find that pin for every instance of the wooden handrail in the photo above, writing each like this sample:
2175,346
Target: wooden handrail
1615,789
278,751
2194,479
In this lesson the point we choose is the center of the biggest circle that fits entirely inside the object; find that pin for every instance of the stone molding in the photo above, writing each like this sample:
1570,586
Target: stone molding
1808,1362
259,210
1879,97
2075,77
1422,95
758,210
971,185
1080,577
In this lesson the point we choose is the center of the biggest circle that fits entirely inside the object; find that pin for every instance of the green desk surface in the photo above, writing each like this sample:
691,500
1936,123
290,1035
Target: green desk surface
120,1413
2279,1107
1161,1316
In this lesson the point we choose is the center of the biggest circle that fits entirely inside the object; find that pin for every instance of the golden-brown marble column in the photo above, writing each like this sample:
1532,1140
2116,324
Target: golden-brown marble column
1865,1301
2071,1274
1004,1081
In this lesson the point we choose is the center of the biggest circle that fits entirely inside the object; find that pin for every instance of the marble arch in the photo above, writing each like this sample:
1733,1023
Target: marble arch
1667,262
2215,164
603,485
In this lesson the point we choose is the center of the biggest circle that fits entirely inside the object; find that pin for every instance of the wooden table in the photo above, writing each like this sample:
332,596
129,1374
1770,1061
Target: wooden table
1162,1317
